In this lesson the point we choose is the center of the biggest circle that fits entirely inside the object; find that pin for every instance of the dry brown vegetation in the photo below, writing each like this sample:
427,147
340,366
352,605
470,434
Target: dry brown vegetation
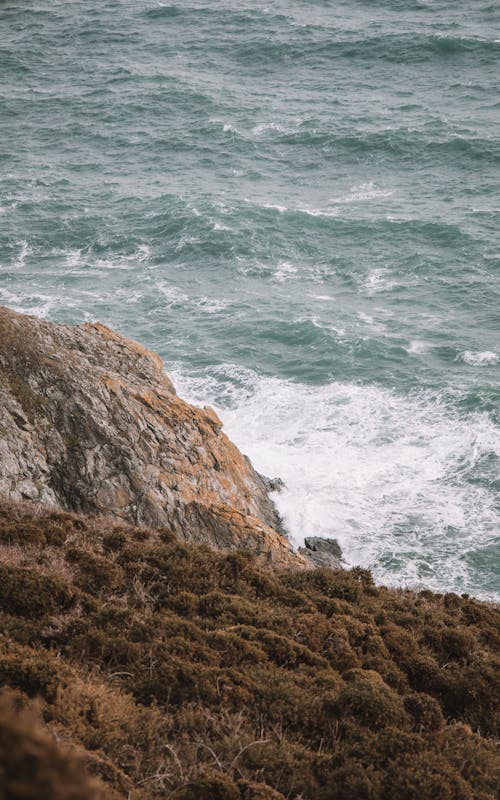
176,672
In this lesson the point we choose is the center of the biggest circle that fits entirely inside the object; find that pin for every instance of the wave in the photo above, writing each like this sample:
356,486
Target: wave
379,280
330,215
487,358
417,347
425,143
319,49
24,251
393,478
165,12
404,142
176,298
32,302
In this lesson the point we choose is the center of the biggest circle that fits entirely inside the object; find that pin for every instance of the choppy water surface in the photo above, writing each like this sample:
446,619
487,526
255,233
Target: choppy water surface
297,205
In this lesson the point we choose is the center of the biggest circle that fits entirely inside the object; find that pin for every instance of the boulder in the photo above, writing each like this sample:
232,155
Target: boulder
322,552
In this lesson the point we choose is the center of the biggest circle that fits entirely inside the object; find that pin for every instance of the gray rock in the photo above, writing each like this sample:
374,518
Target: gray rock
272,484
89,422
322,552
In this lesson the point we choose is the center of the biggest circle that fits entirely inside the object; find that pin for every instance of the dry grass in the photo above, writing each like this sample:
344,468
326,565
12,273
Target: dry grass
184,674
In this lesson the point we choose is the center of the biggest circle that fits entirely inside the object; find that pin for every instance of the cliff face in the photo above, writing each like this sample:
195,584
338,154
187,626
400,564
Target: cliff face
89,422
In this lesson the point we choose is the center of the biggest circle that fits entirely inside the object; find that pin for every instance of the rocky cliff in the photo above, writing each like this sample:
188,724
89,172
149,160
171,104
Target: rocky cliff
89,422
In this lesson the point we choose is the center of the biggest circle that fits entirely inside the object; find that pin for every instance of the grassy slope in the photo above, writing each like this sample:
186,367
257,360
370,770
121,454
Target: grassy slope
176,672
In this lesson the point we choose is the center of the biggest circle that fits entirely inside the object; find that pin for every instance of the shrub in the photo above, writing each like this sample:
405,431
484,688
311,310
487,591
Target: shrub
425,712
258,791
32,671
425,777
181,672
367,698
33,766
30,594
96,572
353,781
208,787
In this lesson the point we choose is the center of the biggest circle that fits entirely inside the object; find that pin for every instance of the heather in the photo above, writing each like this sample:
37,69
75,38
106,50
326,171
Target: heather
169,670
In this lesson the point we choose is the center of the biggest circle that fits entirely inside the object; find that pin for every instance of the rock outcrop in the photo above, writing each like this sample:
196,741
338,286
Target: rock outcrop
322,552
89,422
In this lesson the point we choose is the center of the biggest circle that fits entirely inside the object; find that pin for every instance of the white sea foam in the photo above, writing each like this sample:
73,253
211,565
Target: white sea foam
229,128
114,263
311,211
388,476
73,258
143,252
417,347
319,212
24,250
172,294
36,303
264,127
485,359
378,280
284,271
275,206
324,326
371,323
362,193
175,297
210,305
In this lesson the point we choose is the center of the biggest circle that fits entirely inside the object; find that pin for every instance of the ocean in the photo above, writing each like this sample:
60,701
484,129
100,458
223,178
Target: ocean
297,205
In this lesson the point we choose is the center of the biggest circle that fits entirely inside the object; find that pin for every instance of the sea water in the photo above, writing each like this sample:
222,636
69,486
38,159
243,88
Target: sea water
297,205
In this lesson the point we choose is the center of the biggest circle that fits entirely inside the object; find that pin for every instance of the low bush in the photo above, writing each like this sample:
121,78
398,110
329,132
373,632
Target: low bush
32,764
184,674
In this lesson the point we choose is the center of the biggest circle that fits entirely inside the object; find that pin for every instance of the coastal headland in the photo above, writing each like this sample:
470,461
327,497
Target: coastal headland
159,637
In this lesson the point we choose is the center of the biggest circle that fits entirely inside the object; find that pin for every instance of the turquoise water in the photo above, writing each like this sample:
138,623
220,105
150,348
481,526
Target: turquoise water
296,204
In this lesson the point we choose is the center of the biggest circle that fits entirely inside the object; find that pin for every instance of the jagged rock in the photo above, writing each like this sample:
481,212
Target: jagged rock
90,422
322,552
273,484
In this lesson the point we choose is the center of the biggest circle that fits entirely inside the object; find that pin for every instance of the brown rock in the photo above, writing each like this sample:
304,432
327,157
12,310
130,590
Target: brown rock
90,422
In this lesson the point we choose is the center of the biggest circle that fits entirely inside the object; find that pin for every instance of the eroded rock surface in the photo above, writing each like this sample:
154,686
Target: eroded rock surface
322,552
89,422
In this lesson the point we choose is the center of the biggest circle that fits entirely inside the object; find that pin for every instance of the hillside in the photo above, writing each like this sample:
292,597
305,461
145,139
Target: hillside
168,670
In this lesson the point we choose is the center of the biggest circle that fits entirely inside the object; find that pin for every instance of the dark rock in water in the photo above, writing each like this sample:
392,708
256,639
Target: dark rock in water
319,545
322,552
276,485
272,484
89,422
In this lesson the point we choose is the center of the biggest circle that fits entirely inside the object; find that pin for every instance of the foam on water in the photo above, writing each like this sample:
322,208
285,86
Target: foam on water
176,298
284,271
362,193
24,251
417,347
379,280
391,477
36,303
74,258
484,359
228,128
264,127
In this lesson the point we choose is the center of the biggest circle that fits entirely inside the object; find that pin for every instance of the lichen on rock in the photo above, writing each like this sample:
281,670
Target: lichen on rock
89,422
